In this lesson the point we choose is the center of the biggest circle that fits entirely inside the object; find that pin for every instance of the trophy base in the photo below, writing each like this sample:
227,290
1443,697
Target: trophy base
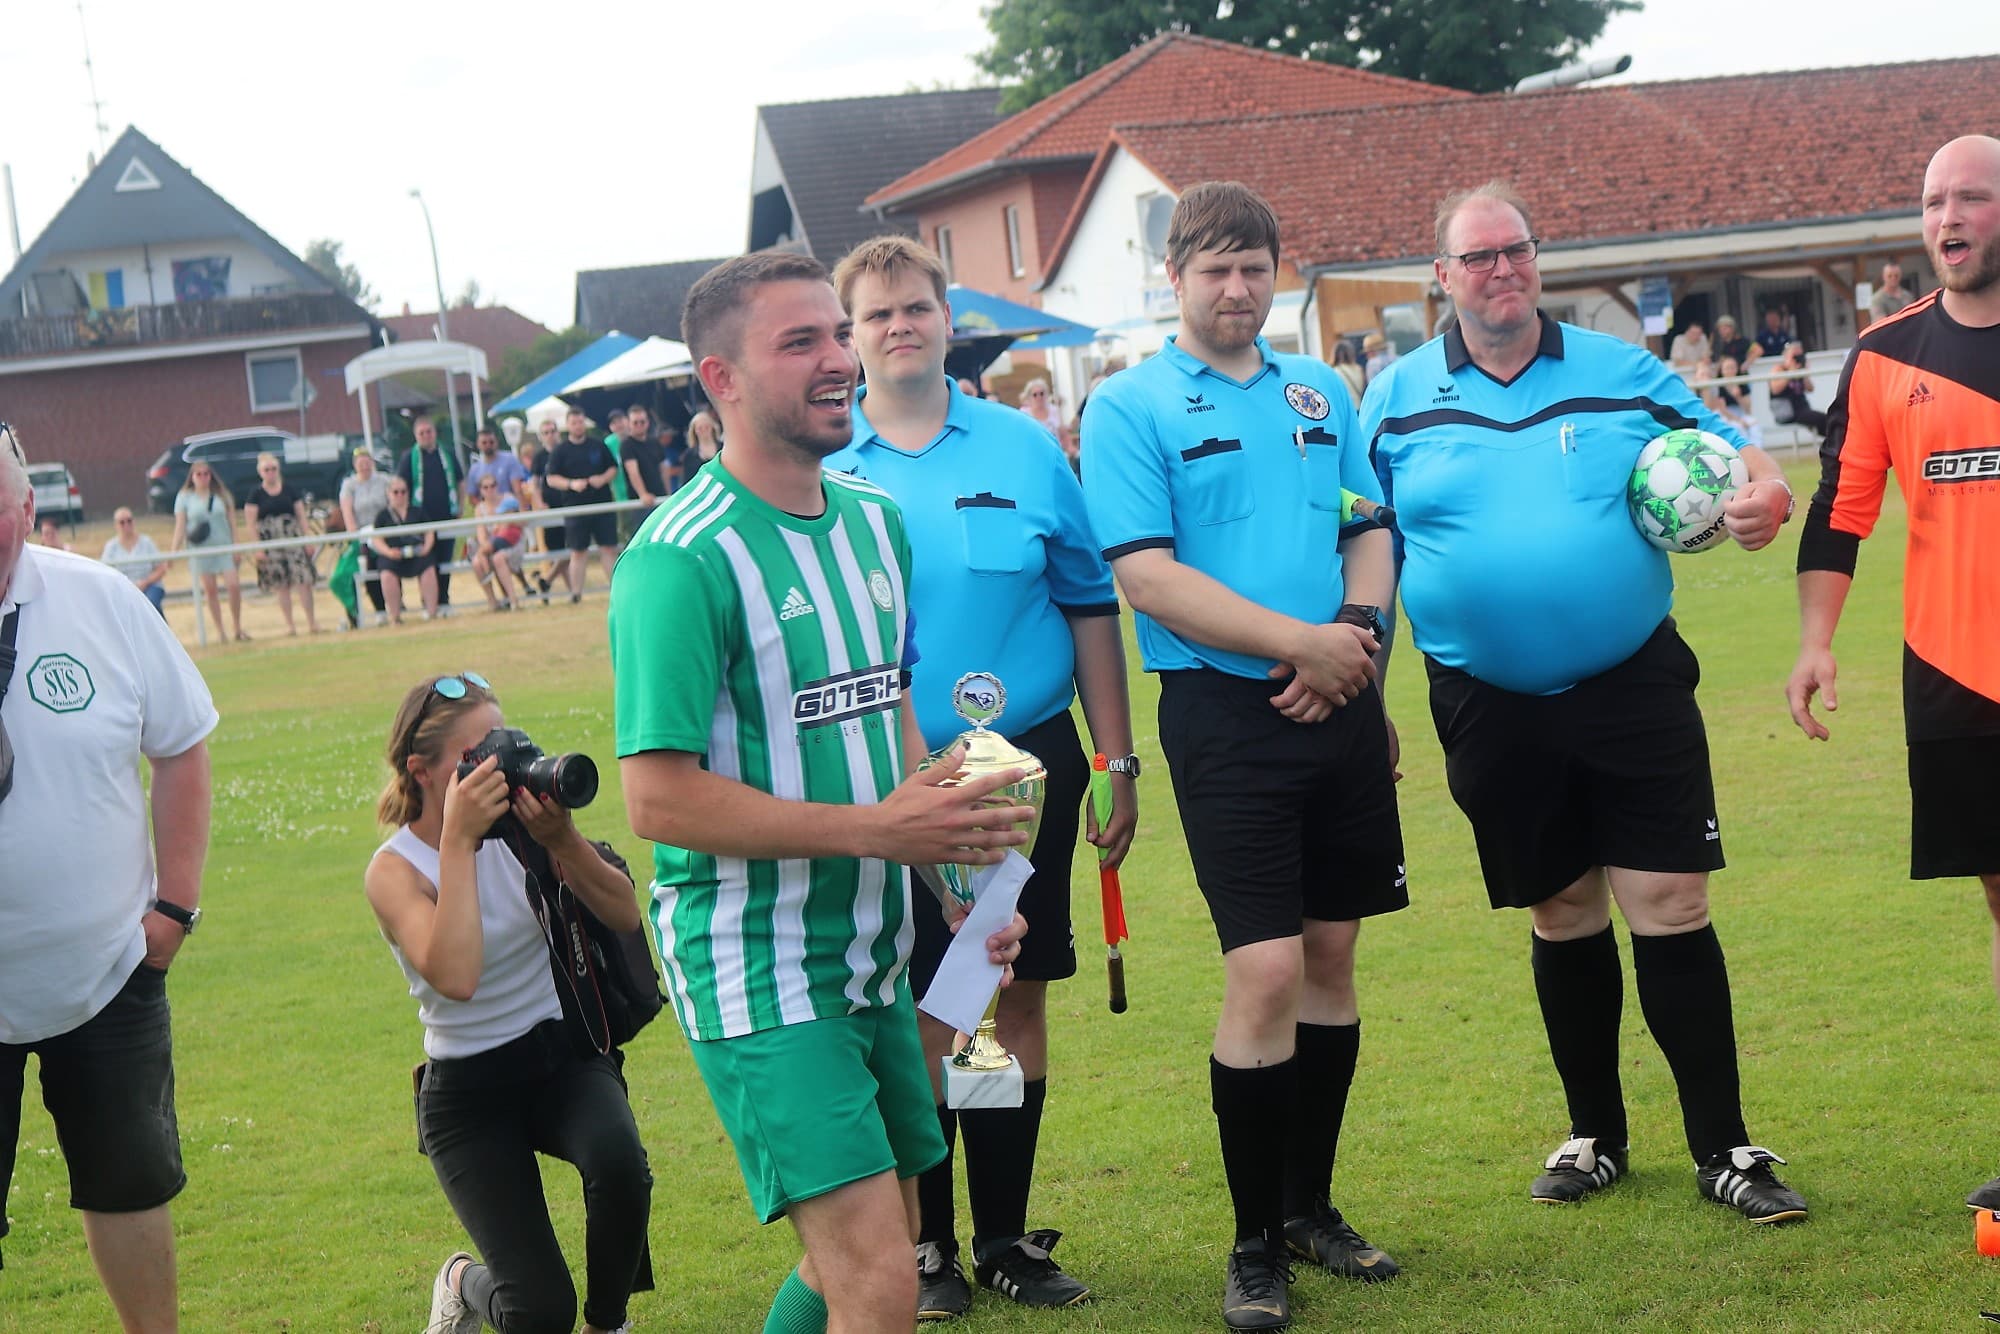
997,1088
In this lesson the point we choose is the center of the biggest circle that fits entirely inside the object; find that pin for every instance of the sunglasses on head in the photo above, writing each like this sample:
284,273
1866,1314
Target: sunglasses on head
453,687
13,444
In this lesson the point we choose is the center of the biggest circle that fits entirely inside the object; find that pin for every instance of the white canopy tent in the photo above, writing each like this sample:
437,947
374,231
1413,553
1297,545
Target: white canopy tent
654,359
416,355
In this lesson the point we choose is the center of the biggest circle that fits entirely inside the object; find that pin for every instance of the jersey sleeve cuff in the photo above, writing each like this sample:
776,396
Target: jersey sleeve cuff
1823,547
1088,608
663,741
1142,544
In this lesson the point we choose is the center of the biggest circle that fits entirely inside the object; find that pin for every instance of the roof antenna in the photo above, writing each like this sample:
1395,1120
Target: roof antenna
90,72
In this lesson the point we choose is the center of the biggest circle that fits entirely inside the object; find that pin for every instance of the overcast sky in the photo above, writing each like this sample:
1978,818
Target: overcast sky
549,138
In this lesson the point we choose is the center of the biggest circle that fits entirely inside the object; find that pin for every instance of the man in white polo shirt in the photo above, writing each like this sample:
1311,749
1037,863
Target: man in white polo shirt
92,910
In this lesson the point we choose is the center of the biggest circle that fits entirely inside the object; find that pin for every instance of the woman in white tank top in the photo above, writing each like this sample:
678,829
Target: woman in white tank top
504,1075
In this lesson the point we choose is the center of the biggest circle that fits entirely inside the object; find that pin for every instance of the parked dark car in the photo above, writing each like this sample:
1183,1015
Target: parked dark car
314,465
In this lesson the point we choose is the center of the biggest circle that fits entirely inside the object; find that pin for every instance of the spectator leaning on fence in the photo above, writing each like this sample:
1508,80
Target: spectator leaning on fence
134,555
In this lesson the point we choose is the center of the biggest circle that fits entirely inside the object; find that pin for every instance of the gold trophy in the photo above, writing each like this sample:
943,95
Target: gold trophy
983,1073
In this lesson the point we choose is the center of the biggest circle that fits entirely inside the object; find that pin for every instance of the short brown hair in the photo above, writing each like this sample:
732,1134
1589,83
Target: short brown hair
1498,190
1220,215
423,721
887,258
712,319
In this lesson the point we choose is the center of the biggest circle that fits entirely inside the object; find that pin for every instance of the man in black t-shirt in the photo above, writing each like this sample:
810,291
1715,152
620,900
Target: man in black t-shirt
641,457
580,471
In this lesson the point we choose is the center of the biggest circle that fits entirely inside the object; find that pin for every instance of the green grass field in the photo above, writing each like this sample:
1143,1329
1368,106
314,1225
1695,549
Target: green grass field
1864,1013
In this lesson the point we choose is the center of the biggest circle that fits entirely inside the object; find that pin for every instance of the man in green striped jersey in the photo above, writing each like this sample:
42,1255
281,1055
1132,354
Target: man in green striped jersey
760,638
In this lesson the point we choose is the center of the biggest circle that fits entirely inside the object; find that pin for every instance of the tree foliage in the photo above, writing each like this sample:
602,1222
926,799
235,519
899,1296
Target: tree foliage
324,258
1043,46
518,365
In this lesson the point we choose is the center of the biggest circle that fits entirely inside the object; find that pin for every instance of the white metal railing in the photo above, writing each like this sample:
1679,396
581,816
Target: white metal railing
539,518
1825,374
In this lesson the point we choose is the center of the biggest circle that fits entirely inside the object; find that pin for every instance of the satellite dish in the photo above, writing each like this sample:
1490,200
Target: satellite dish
1156,215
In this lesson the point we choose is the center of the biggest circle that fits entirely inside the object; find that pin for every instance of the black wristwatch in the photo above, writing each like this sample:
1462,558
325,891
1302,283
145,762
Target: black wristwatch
1125,764
1364,614
189,918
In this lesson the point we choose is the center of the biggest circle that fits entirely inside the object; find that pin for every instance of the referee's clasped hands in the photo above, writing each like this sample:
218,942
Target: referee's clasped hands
1330,666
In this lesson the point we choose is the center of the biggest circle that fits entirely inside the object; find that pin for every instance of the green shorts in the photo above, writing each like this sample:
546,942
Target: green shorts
812,1107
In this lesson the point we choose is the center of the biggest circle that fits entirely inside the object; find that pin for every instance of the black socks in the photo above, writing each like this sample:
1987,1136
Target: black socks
1000,1162
1684,993
1325,1061
1252,1107
1583,998
936,1219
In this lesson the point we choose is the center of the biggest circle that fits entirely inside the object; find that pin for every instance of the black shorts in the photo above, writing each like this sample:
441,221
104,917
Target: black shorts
580,530
1284,821
109,1086
402,567
1954,797
1611,772
1048,951
554,532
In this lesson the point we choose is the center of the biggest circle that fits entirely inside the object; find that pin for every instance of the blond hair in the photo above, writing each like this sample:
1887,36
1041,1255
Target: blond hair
424,721
887,258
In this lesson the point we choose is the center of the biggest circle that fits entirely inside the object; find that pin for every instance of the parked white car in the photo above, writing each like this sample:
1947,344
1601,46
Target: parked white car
56,494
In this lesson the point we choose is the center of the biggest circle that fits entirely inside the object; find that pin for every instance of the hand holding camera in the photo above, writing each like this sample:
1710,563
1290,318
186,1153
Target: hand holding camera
536,790
474,801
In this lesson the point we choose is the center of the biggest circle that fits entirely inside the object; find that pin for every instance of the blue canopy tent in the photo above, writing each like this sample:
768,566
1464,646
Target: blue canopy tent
557,378
983,326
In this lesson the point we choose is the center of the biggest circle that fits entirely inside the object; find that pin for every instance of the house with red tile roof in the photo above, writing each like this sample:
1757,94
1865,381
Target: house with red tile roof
1634,181
993,206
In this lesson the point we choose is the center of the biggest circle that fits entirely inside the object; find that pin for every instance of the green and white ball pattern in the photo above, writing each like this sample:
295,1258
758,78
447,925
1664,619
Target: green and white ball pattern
1678,488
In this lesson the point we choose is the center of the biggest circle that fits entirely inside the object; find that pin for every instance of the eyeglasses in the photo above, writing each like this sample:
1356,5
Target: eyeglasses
13,444
488,486
1520,254
453,687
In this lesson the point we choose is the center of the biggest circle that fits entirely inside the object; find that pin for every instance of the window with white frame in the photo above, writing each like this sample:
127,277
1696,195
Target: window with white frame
277,379
944,253
1016,265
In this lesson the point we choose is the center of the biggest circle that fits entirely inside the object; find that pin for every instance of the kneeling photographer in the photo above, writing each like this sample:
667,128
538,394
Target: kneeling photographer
508,1076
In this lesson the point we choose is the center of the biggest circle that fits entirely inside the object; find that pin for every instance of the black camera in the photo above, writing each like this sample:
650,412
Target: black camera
569,781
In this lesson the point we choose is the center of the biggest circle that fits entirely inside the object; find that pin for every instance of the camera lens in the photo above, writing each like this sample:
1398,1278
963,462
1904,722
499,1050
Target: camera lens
567,780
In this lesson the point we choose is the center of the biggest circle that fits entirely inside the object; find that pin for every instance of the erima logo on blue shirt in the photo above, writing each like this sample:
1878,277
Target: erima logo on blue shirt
1446,394
1195,404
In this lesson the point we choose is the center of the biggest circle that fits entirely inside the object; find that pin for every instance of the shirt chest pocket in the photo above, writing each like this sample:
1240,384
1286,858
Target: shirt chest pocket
993,533
1596,464
1319,464
1216,478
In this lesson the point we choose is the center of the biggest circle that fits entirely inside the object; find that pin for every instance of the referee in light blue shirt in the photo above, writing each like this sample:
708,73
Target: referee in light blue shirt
1562,693
1214,474
1006,579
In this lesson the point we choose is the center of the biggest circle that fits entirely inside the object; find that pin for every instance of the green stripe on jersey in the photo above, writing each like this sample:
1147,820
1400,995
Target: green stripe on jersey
772,647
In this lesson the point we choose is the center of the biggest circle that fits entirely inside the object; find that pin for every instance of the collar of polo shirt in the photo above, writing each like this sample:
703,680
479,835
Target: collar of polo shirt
1194,365
1457,356
954,419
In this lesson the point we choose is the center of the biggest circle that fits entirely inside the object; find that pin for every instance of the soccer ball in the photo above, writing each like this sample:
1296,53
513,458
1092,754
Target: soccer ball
1678,488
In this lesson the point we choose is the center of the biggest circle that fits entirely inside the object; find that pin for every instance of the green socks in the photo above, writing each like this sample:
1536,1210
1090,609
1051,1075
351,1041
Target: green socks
797,1309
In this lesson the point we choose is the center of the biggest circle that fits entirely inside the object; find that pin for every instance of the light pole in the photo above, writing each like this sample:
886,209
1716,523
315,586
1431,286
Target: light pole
444,321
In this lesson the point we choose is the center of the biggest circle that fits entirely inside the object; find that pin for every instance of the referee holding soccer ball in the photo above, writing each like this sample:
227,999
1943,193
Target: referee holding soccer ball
1562,694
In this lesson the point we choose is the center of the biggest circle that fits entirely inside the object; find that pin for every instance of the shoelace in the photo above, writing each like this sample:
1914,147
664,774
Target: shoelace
1259,1273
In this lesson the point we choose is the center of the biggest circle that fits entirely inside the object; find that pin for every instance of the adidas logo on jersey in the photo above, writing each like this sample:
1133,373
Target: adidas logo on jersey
1921,394
794,606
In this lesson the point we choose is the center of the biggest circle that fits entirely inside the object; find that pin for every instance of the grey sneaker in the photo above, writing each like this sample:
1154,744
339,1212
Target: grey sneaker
1579,1167
1326,1240
449,1313
1023,1270
942,1292
1255,1296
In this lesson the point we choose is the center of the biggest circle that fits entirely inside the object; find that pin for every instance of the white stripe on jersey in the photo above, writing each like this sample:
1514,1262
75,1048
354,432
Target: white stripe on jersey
853,483
868,920
705,510
894,569
725,757
774,692
696,494
677,983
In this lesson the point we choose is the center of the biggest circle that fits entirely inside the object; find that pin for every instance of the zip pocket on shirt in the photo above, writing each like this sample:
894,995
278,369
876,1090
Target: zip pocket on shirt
993,533
1218,481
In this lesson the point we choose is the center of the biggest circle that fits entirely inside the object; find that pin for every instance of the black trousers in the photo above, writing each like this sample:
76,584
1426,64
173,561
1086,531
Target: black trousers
482,1120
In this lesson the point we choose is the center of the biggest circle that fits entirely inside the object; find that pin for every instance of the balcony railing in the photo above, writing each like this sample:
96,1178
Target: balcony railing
181,322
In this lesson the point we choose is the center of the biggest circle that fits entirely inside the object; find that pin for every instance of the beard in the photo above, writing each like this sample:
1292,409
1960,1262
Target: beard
799,427
1975,276
1225,331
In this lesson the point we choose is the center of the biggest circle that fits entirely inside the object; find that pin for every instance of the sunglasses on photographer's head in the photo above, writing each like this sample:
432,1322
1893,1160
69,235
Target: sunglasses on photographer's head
453,687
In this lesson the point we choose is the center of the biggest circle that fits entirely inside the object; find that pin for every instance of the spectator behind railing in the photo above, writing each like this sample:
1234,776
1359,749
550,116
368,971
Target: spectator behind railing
408,558
205,516
51,534
496,546
1730,402
1690,347
273,510
1348,367
1729,343
1893,296
134,555
363,493
1789,406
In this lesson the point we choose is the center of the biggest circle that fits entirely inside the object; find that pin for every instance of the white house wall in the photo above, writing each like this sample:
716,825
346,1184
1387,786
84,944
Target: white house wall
251,271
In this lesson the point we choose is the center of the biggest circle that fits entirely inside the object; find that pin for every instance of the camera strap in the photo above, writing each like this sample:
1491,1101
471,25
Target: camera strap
8,629
569,948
